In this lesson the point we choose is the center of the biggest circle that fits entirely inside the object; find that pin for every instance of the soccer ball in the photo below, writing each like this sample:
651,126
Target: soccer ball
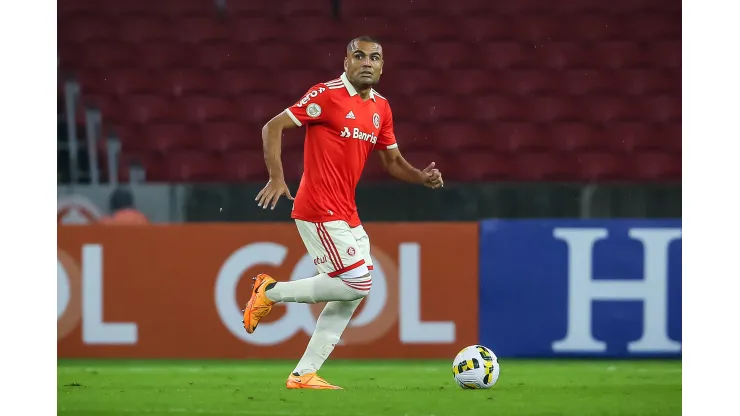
476,367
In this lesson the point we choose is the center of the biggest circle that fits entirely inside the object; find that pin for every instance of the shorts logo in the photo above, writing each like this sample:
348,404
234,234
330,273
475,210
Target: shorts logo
319,260
376,120
313,110
351,251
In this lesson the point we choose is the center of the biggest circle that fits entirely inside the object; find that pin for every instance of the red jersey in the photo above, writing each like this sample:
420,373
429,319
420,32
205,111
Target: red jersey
341,131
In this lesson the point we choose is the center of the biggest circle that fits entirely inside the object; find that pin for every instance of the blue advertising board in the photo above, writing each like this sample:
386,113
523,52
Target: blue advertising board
596,288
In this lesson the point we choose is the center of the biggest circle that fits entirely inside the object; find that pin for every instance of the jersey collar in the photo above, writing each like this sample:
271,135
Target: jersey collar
351,89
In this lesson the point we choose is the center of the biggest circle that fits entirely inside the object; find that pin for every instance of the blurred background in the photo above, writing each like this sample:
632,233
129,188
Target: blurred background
556,124
531,108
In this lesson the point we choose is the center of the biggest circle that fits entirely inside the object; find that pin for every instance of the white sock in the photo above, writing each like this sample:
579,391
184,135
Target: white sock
319,288
329,327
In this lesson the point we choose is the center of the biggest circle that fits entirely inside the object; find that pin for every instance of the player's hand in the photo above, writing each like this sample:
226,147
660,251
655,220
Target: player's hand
433,177
270,194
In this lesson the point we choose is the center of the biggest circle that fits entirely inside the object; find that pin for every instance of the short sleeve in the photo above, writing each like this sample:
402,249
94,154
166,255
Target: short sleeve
311,108
387,135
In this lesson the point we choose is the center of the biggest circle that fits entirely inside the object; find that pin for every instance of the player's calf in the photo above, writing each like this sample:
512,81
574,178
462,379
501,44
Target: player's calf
320,288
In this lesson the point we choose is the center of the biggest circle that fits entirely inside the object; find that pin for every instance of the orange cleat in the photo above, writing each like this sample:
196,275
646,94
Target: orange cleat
309,381
259,305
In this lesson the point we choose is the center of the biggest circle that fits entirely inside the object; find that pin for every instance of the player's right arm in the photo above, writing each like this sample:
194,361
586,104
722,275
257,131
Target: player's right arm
307,110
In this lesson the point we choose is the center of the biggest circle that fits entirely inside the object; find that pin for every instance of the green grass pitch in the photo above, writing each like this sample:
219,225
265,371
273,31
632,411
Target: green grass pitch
372,388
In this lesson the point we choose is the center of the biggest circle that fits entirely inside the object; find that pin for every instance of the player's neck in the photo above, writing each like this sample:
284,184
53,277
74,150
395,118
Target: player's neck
363,91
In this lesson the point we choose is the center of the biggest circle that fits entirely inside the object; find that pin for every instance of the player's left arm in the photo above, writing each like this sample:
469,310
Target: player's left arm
396,165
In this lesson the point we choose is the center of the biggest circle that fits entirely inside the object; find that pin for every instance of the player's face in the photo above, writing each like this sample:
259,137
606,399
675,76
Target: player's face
364,63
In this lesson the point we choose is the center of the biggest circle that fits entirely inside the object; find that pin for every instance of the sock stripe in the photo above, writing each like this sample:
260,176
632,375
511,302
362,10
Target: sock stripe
333,246
324,243
361,285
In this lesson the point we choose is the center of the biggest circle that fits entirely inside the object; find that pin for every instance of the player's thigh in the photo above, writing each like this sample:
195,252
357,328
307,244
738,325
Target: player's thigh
331,245
363,241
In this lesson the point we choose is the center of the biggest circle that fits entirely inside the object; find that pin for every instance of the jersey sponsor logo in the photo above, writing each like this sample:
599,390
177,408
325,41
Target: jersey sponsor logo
376,120
360,135
308,96
313,110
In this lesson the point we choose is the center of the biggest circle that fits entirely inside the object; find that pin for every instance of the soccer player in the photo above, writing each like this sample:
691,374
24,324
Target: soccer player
345,120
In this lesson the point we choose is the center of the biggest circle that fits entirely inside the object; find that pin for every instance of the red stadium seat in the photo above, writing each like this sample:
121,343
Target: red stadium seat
588,82
540,29
312,30
256,29
665,54
620,55
543,166
147,29
206,108
111,108
430,28
486,28
524,90
163,55
148,108
107,55
260,108
507,55
656,166
164,138
223,55
473,81
529,82
200,30
132,138
126,82
648,81
598,27
663,108
650,27
192,81
85,28
602,166
134,8
189,8
413,136
245,166
477,166
584,137
412,82
555,109
606,109
497,108
191,166
239,82
457,136
223,137
563,55
300,9
521,137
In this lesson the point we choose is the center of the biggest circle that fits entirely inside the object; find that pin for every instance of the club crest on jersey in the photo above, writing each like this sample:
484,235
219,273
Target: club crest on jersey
376,120
313,110
357,134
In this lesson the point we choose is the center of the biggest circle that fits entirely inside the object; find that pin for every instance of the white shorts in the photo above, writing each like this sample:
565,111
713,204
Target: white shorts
336,248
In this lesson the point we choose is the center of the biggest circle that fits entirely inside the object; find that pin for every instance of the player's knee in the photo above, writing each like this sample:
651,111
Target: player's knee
358,280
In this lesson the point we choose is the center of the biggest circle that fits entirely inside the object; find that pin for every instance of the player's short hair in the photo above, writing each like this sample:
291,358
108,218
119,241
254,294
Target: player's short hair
363,38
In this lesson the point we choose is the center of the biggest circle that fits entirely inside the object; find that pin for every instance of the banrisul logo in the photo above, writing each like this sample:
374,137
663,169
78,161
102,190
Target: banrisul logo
355,133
